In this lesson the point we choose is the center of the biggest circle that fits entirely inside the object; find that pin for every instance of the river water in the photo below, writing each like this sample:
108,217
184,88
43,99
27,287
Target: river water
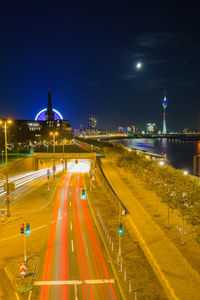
179,153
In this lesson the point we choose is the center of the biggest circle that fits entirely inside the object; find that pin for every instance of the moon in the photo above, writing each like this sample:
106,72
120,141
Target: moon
139,65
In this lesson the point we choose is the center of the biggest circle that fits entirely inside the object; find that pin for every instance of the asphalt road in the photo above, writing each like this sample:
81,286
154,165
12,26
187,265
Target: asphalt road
74,266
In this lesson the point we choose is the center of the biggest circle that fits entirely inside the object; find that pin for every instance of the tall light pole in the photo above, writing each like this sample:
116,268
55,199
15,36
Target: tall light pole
5,123
54,134
64,142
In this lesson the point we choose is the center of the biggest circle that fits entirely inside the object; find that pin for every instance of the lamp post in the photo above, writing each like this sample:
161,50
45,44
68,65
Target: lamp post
54,134
5,123
64,142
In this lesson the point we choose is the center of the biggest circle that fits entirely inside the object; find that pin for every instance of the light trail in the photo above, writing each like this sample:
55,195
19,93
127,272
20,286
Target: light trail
22,179
50,245
96,247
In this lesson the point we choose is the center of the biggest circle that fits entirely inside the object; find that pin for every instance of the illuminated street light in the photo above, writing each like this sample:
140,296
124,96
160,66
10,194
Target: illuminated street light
5,124
54,134
161,163
185,172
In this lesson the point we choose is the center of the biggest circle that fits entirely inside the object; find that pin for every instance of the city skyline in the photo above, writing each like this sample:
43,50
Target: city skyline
91,64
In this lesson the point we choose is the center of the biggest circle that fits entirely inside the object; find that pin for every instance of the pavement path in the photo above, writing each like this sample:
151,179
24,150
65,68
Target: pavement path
180,280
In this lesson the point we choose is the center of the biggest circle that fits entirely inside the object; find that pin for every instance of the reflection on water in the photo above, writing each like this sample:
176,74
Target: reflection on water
179,153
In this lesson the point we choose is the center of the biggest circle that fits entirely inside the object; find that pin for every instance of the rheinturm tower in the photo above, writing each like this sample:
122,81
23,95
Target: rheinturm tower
164,105
49,114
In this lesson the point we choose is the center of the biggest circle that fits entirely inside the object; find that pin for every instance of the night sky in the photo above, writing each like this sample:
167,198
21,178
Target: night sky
86,52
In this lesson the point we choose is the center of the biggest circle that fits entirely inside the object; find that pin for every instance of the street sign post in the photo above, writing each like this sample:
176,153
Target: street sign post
3,214
22,270
48,174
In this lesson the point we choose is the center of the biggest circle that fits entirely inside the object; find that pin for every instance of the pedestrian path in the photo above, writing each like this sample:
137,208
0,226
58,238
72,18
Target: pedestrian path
180,280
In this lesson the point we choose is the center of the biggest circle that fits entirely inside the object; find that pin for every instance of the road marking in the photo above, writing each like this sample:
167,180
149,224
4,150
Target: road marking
39,227
54,221
17,197
76,282
10,237
29,296
17,296
70,204
71,226
72,242
76,292
17,235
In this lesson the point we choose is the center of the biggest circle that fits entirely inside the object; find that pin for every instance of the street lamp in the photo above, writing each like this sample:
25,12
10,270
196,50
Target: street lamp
5,124
54,134
64,142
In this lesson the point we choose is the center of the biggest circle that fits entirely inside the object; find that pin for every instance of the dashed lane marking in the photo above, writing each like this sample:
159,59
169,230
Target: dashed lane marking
71,226
76,292
72,243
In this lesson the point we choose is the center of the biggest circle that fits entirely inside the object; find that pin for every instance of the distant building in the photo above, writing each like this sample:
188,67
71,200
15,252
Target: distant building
38,130
89,132
130,130
150,127
92,122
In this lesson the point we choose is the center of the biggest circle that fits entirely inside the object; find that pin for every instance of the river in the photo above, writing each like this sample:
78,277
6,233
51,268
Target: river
179,153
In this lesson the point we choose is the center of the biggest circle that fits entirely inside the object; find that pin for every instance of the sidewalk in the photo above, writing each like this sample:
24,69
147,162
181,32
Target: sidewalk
181,281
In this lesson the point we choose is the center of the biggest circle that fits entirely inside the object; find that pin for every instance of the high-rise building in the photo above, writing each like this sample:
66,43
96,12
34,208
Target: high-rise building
164,105
92,122
150,127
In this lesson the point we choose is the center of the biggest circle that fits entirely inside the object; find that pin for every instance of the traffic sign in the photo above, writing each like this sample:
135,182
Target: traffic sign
90,172
22,269
48,173
7,196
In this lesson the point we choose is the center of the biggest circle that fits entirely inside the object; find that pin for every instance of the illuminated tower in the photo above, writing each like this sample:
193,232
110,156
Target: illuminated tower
164,104
49,114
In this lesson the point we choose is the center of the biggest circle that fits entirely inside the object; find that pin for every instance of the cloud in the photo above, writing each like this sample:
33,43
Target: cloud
157,40
127,76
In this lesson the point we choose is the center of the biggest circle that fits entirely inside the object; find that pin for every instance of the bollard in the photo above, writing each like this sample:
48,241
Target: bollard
130,286
124,274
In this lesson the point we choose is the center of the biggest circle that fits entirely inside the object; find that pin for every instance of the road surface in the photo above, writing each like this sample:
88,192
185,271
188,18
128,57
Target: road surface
74,265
